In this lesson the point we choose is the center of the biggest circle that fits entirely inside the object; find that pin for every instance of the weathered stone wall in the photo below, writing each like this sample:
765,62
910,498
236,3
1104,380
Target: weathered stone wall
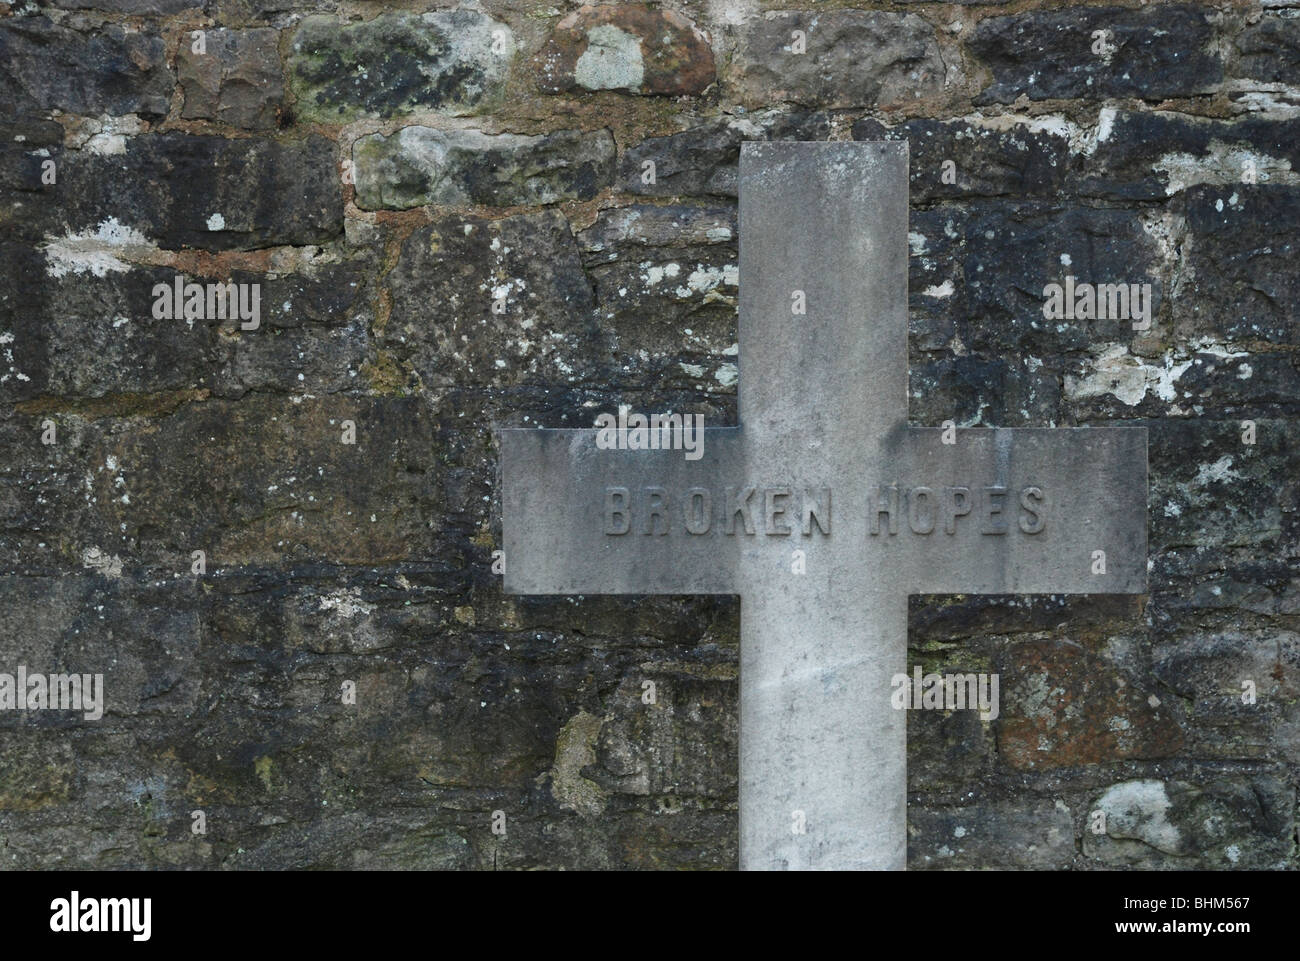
451,214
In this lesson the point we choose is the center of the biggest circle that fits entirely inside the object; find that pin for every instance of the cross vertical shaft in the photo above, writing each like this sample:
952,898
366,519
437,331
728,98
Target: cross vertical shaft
824,232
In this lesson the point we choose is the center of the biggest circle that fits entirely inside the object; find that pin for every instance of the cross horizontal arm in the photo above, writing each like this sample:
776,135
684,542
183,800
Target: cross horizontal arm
1013,511
566,503
1024,511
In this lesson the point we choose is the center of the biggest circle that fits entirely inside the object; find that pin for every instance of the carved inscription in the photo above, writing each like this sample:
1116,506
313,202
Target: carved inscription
777,511
927,509
783,511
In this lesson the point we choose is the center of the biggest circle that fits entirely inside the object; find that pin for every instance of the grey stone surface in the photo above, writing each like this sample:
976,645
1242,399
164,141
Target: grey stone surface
1094,482
237,79
87,335
178,190
665,280
703,160
1035,836
854,58
1269,50
1025,248
452,61
154,7
46,66
823,412
1150,155
513,304
420,165
1156,824
1014,161
1156,52
632,47
131,485
1249,298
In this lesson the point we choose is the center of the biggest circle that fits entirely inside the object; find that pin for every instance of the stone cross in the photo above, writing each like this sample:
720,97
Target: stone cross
824,510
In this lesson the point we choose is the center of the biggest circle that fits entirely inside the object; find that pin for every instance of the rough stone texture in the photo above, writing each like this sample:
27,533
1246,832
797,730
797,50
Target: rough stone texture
26,147
1210,671
418,166
1032,837
703,160
452,61
1162,51
237,80
90,335
1055,686
1236,298
148,7
48,66
854,58
488,303
208,192
1150,156
1222,824
1269,50
626,46
665,281
224,689
1013,161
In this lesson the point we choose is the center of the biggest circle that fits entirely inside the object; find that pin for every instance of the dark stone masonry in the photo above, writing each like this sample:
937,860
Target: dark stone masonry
517,214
